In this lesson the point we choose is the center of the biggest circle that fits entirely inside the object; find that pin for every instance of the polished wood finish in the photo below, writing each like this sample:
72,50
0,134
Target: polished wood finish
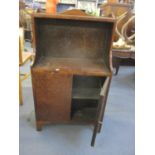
74,12
124,53
119,54
73,59
115,10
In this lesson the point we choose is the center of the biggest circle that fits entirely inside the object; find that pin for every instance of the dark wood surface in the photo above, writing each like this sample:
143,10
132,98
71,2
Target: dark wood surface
53,96
86,37
73,59
119,54
116,10
74,66
74,17
123,53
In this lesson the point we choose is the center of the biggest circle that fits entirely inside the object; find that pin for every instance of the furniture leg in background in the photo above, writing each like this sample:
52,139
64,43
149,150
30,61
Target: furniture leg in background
120,54
116,64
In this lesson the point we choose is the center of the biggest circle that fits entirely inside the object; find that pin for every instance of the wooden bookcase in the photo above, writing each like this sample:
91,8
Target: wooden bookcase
73,59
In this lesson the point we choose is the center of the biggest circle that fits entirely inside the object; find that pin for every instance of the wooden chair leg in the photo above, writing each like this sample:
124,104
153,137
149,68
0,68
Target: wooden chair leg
20,92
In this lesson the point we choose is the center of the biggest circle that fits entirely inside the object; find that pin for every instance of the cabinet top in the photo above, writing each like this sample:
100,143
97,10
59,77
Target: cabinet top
74,17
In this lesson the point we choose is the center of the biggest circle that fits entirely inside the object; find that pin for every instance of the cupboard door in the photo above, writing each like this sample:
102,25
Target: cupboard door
52,93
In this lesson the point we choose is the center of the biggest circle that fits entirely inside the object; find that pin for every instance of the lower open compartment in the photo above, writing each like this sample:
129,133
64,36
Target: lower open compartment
83,110
85,97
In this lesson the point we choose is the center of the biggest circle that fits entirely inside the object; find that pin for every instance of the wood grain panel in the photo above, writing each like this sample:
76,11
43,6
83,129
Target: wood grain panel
53,96
74,66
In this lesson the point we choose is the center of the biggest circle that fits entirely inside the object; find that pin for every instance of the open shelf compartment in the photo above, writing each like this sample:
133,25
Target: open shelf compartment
85,97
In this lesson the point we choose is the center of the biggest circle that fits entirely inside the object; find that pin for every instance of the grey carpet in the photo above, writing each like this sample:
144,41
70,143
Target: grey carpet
116,137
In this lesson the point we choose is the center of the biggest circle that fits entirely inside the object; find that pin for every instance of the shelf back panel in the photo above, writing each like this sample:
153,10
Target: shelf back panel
62,38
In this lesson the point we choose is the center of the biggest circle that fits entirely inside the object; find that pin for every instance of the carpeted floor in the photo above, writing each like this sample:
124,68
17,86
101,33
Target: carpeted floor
116,137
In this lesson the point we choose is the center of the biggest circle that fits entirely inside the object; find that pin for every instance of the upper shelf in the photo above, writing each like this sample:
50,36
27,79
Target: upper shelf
72,39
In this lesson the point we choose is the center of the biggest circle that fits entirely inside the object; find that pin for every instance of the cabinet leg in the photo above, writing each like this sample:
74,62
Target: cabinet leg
39,126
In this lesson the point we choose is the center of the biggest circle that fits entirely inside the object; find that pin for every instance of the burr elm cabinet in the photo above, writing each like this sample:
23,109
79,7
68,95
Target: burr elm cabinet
72,63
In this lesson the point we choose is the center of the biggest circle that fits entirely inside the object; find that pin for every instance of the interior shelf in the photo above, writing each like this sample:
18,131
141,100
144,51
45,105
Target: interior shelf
77,66
86,93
